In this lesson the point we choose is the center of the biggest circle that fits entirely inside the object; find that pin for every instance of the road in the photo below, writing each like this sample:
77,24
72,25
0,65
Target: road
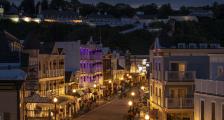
114,110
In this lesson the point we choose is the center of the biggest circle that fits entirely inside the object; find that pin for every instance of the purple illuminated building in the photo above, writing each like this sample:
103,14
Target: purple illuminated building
91,64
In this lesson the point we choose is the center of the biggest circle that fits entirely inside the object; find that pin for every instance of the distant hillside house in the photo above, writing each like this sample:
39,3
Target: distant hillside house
98,19
60,16
201,13
183,18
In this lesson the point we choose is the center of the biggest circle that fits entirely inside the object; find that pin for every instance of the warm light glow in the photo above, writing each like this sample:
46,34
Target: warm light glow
27,19
132,93
130,77
110,81
146,117
55,100
15,19
52,113
94,85
74,90
130,103
121,78
37,20
142,87
147,65
127,74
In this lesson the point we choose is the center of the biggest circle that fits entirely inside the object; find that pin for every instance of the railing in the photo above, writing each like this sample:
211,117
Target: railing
213,87
41,114
178,76
179,103
53,73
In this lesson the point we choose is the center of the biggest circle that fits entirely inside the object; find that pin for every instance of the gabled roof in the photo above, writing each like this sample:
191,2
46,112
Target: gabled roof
119,67
6,55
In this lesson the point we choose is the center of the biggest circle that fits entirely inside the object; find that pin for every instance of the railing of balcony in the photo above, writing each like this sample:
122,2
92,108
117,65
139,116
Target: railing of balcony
180,76
179,103
53,73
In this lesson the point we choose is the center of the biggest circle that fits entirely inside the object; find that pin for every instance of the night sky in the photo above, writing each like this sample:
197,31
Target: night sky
174,3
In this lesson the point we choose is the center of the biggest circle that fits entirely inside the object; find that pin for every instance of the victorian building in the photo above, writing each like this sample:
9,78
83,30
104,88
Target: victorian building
45,81
91,66
11,76
209,93
174,70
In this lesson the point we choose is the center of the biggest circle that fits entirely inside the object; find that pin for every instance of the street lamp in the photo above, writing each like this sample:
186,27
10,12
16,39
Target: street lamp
146,117
94,85
142,87
74,90
130,103
132,94
55,100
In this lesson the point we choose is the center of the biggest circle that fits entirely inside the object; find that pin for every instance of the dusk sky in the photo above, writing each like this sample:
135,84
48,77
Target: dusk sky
174,3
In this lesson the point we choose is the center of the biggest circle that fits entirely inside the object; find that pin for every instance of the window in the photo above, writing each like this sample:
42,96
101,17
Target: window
202,110
222,111
178,67
213,111
220,71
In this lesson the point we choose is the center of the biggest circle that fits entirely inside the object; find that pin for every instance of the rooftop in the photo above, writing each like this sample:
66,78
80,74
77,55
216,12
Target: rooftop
12,74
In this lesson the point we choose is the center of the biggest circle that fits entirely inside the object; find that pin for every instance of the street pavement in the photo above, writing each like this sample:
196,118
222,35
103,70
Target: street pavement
114,110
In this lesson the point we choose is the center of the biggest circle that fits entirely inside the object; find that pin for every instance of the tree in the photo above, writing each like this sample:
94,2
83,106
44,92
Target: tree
103,6
44,4
58,4
86,9
218,10
121,9
184,10
151,9
165,10
28,6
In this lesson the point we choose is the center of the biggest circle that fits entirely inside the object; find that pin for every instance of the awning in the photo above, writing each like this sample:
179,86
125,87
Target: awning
36,98
65,99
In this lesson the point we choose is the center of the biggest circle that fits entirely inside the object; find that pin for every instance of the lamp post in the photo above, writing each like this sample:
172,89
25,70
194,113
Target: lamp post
143,88
74,90
130,103
55,100
146,116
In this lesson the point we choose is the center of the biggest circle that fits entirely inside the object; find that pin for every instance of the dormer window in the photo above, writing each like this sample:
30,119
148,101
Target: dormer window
181,45
192,45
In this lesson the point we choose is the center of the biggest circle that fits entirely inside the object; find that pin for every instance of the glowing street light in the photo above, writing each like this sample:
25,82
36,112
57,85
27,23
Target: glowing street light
55,100
74,90
130,103
132,93
142,87
27,19
15,19
37,20
94,85
146,117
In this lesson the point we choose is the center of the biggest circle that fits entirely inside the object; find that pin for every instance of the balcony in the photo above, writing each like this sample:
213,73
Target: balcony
52,73
179,103
178,76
